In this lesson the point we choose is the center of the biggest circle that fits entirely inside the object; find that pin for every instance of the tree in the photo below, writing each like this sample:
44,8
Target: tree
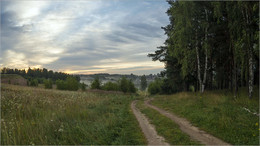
143,82
34,82
96,84
155,87
83,86
109,86
72,84
123,84
210,45
48,84
131,87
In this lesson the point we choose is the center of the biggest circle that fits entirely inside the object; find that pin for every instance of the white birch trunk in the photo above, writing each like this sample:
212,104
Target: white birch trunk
250,58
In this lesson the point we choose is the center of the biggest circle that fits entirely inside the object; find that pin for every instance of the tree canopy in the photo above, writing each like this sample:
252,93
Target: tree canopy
210,45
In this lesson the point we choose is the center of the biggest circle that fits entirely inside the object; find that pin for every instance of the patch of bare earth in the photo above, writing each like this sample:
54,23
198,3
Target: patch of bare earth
194,132
149,131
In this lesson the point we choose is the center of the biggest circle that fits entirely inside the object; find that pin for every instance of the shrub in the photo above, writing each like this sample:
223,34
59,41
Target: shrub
155,87
48,84
72,84
127,85
34,82
131,87
109,86
83,86
192,88
123,84
61,85
96,84
40,80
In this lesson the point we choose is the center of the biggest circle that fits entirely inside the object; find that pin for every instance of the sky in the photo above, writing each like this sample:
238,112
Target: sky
83,36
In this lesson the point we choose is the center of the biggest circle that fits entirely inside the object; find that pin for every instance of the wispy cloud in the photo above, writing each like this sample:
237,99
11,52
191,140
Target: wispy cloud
83,36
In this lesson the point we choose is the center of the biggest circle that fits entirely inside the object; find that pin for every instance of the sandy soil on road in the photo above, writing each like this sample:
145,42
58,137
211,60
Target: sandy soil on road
149,131
194,132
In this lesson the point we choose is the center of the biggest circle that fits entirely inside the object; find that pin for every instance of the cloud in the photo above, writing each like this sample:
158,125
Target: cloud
83,36
15,60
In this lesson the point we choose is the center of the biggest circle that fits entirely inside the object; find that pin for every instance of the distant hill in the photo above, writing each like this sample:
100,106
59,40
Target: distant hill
13,79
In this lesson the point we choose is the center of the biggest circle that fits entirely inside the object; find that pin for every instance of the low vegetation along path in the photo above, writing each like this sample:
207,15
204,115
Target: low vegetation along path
194,132
149,131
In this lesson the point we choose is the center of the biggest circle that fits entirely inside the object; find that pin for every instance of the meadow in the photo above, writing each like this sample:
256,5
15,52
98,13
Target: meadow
217,112
36,116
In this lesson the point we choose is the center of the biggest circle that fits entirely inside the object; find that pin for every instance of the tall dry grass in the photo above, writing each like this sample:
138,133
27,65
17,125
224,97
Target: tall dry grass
39,116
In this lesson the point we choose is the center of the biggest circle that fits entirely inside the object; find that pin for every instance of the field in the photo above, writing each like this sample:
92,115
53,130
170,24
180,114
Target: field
218,113
33,115
39,116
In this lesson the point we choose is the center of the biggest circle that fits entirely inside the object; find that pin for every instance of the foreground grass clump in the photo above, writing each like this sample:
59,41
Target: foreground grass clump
165,126
217,112
38,116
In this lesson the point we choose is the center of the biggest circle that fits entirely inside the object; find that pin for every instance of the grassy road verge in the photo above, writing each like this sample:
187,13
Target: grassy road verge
218,113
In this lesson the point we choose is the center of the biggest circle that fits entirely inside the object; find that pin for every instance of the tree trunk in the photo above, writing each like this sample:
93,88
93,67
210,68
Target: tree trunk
205,71
235,89
250,56
206,55
198,63
251,73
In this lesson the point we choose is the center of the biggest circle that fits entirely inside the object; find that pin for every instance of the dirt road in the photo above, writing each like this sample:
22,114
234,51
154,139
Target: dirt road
149,131
194,132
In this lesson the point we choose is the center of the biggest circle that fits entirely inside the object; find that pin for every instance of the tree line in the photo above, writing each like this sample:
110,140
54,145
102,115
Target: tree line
39,74
47,77
123,85
210,45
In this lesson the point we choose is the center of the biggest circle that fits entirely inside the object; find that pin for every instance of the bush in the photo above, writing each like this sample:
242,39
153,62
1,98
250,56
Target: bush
61,85
83,86
34,82
96,84
48,84
109,86
192,88
40,80
131,87
127,85
123,84
155,87
70,83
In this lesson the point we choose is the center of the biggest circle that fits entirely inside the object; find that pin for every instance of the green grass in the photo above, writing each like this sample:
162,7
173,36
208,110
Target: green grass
39,116
165,126
218,113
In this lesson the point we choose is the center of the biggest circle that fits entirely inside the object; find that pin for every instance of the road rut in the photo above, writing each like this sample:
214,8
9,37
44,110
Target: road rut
194,132
149,131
